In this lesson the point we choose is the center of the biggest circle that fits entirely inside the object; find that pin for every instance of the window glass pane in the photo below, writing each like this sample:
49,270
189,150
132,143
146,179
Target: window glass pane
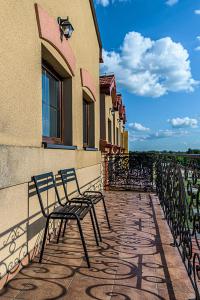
43,86
53,122
51,98
85,122
109,131
117,136
88,124
91,125
46,120
53,92
114,129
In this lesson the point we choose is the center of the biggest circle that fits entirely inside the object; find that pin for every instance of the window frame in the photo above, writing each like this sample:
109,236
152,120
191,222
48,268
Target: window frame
109,131
117,135
90,118
86,144
53,73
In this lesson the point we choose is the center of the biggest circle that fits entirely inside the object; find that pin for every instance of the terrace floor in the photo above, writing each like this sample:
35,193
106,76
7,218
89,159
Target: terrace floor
135,261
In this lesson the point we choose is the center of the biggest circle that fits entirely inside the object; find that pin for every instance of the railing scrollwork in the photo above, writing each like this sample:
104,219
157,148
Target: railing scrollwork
178,189
176,180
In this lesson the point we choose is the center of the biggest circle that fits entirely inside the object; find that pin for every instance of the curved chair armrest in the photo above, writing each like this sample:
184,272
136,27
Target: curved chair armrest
80,201
93,192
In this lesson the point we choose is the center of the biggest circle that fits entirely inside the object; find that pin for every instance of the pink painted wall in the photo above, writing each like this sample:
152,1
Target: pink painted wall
88,83
49,31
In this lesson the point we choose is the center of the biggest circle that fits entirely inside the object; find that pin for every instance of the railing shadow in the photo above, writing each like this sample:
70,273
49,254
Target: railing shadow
123,266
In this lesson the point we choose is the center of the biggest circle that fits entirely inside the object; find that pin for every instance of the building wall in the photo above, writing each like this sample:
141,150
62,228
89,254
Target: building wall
125,141
103,121
107,100
21,151
20,62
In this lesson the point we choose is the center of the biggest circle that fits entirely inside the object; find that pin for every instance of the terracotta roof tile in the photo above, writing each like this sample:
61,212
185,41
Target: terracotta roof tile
106,80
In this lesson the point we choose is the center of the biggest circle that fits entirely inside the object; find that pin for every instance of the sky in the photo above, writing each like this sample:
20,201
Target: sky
153,48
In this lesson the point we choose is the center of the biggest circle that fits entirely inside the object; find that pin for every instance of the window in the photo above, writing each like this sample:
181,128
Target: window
114,140
88,124
51,106
109,131
117,134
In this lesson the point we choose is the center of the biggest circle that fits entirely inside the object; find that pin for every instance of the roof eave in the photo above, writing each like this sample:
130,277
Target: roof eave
97,30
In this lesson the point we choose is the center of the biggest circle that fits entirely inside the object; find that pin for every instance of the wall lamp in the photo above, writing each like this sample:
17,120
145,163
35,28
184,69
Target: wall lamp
66,28
119,121
112,111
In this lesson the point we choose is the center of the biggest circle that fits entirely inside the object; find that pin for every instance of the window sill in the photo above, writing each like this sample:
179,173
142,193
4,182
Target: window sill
90,149
58,146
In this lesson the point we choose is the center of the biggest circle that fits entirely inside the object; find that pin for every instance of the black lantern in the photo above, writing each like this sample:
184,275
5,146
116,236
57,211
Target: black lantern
66,28
112,111
119,121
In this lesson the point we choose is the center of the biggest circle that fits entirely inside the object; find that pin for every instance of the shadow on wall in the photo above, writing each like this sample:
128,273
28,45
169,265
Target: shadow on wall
20,243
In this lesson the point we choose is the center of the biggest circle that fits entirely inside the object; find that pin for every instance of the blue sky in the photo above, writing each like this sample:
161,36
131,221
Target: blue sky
153,46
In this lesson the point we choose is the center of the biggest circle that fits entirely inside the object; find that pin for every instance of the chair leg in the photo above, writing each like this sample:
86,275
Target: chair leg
106,212
44,240
63,234
97,224
94,229
83,243
59,232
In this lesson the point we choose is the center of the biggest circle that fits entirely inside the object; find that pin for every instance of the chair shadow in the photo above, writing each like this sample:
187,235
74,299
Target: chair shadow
119,261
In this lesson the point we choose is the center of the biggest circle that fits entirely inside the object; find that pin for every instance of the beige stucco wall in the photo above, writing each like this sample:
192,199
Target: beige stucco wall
21,152
21,87
108,115
20,60
22,221
125,141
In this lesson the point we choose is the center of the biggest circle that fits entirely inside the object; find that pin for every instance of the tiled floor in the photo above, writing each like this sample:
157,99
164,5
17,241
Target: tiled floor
135,261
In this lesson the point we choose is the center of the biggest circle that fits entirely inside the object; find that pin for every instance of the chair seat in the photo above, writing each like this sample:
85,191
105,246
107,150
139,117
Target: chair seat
79,210
95,198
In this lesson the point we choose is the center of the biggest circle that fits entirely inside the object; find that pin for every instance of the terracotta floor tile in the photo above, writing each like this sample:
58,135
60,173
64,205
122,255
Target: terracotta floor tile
121,292
135,261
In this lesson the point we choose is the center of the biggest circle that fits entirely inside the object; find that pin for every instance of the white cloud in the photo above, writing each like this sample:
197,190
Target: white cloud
150,68
166,133
160,134
172,2
138,127
107,2
197,11
183,122
198,47
103,2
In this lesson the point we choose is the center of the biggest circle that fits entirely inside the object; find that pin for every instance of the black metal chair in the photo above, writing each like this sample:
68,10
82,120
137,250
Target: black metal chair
69,175
71,210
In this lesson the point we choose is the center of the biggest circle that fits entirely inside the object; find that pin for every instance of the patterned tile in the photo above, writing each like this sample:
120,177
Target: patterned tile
136,259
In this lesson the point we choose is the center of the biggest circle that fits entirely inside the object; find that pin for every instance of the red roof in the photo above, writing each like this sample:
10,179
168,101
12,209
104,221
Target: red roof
119,99
108,86
106,80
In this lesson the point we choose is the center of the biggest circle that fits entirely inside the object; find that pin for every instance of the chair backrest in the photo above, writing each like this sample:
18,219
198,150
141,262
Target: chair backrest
44,183
69,175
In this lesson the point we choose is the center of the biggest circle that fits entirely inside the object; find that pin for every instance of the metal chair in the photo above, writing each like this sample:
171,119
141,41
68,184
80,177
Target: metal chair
94,197
71,210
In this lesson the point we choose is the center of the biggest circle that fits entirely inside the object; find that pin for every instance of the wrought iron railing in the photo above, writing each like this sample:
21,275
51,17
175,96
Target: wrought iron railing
178,188
129,171
176,179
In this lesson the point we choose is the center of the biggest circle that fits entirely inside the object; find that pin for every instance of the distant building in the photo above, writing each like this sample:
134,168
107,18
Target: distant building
113,137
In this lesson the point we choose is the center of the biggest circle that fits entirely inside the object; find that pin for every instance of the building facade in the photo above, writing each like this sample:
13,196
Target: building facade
113,137
50,113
